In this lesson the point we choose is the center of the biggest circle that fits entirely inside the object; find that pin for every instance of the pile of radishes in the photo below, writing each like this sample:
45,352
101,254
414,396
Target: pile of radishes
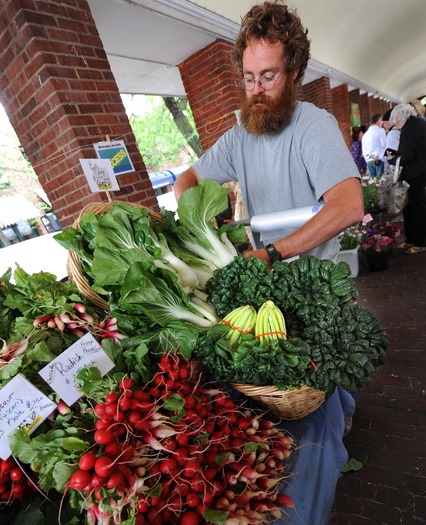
175,452
14,484
81,322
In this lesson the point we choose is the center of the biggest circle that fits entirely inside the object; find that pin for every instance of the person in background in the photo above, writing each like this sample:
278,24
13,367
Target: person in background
374,145
288,154
412,153
356,150
420,109
392,138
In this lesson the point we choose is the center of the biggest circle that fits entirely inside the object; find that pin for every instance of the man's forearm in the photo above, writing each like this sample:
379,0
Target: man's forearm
186,180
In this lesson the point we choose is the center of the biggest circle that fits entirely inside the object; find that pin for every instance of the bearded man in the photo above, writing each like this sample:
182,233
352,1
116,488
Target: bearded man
284,154
287,154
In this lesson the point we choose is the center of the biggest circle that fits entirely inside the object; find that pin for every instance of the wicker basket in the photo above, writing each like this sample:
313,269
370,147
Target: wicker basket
284,404
74,268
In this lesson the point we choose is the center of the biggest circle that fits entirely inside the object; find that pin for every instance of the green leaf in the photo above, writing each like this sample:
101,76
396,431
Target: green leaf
351,465
218,517
74,443
174,403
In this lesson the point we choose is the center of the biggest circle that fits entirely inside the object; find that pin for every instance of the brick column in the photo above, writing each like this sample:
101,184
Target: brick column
342,111
211,84
364,107
60,95
318,92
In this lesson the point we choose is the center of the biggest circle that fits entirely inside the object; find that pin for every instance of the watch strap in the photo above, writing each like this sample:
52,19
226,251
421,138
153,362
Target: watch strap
273,253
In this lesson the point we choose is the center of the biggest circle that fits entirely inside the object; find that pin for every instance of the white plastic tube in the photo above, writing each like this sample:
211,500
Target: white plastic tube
287,219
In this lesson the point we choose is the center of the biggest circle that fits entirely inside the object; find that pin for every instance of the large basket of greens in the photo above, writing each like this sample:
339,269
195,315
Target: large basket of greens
150,266
289,335
76,261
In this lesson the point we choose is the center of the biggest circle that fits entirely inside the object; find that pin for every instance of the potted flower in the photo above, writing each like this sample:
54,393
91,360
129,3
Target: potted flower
388,229
377,248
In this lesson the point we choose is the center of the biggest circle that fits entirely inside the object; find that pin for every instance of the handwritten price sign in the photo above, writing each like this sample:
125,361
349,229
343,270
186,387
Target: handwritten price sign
60,374
22,405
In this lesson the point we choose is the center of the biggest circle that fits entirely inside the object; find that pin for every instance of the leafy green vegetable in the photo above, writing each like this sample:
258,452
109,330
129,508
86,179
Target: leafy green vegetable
197,209
158,297
40,293
49,454
345,342
279,362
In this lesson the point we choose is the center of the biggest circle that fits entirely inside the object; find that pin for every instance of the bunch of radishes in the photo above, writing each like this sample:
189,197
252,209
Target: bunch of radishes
14,484
81,322
174,452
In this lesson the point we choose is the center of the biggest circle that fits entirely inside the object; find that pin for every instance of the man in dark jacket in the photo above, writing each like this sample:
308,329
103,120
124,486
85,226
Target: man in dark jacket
412,151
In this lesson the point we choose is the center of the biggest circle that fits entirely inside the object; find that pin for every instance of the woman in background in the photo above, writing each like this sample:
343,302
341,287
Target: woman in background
356,149
412,153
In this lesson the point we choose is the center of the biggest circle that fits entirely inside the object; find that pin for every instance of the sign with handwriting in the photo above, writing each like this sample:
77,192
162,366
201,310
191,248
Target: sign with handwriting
22,405
99,174
60,374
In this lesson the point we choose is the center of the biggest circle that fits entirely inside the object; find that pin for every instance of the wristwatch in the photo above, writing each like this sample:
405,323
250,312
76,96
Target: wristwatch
273,253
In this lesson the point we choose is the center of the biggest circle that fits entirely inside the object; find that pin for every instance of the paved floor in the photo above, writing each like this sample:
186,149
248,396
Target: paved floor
389,428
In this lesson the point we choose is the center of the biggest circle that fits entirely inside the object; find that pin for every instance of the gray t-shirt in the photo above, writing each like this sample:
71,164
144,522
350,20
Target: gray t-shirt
292,169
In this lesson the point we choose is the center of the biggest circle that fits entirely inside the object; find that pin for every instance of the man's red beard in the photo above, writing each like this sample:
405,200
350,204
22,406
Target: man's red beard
273,113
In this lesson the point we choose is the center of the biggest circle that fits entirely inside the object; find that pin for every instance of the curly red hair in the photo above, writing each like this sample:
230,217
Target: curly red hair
275,22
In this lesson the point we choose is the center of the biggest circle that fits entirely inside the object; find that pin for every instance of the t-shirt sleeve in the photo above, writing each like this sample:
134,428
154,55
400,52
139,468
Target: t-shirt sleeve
326,155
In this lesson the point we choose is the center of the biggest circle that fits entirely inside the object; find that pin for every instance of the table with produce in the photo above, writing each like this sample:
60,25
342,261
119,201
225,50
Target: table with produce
173,381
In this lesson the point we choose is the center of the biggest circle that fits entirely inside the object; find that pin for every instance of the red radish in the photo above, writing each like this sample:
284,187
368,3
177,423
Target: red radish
104,466
126,384
103,436
18,490
79,479
59,323
284,500
79,307
87,461
111,397
41,320
116,480
192,499
63,408
168,466
16,474
190,518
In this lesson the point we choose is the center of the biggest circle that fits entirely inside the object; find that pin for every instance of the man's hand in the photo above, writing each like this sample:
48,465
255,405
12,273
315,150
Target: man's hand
259,254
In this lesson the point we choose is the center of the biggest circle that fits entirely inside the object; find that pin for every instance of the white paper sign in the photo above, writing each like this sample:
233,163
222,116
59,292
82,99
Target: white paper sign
21,405
60,374
99,174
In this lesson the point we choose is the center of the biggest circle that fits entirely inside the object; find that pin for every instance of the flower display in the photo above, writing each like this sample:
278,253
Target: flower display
352,236
375,242
387,228
380,237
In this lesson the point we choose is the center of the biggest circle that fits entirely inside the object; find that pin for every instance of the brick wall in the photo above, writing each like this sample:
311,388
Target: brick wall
342,111
211,84
318,92
60,96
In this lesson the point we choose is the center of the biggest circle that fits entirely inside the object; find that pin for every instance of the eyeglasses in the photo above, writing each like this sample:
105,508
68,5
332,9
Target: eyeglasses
266,81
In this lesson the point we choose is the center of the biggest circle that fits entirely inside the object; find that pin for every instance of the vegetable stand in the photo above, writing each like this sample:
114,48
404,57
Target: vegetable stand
165,293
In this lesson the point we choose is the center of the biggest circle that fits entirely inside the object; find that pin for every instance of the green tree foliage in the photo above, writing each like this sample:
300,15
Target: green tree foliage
159,140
